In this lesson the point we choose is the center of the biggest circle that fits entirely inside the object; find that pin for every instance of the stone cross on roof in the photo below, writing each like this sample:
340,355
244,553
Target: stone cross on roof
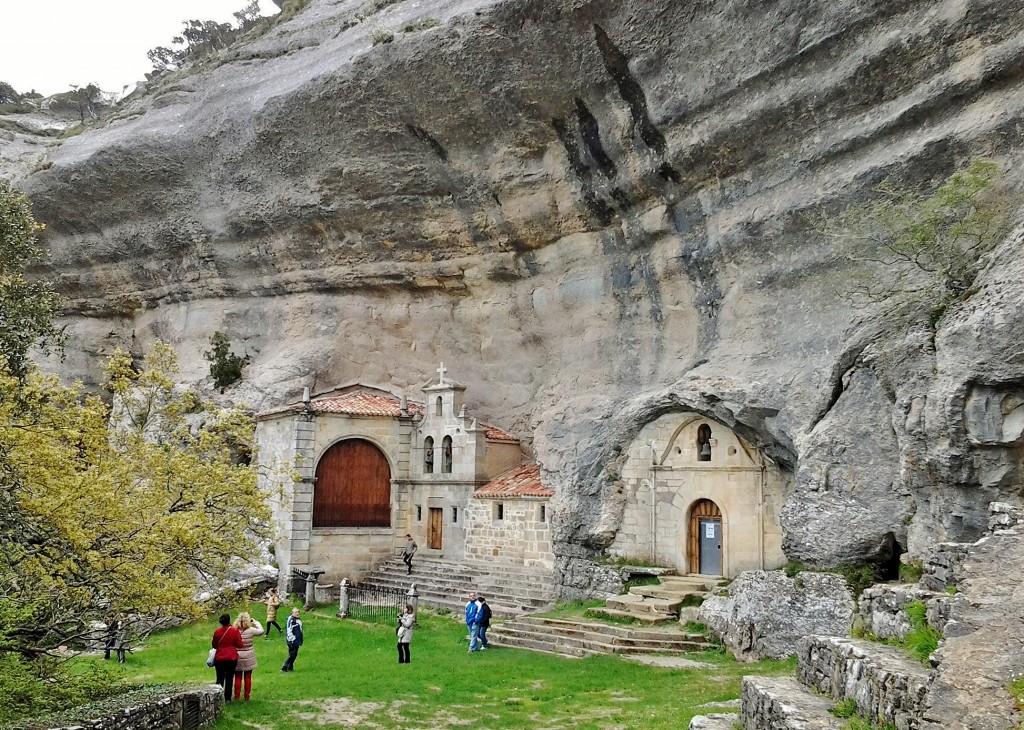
440,372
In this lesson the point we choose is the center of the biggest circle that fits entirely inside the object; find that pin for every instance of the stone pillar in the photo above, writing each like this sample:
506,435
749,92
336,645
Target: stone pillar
343,599
302,491
413,599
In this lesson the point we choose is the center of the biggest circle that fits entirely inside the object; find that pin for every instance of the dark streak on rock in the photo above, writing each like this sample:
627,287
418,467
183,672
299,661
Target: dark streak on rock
591,134
618,66
599,208
425,136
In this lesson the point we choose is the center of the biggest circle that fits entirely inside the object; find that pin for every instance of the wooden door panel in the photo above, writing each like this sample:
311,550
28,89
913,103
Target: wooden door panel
353,487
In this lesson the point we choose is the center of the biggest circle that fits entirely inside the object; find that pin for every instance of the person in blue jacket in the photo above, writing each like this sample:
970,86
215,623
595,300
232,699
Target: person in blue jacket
293,638
473,622
470,612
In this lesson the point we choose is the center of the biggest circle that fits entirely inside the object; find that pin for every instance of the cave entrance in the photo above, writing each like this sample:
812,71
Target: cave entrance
705,543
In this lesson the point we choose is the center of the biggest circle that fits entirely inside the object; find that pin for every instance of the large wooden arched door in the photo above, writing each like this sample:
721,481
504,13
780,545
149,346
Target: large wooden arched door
704,546
353,487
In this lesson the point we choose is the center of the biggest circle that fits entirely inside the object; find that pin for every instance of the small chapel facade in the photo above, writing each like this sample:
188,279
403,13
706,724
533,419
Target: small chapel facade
352,471
701,499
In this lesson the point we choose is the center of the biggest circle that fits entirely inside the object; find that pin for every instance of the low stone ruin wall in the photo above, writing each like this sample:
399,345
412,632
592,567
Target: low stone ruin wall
882,610
185,710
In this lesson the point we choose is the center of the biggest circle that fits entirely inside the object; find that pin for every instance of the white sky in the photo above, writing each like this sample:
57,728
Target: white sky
47,45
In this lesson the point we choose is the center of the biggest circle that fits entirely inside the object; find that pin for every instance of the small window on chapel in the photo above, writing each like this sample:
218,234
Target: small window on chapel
439,407
428,455
499,511
419,513
704,442
446,451
455,514
543,513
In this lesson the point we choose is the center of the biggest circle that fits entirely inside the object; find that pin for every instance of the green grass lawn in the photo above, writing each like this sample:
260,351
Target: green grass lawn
347,674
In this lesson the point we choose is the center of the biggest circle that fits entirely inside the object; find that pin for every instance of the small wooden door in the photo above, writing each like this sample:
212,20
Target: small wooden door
436,518
704,545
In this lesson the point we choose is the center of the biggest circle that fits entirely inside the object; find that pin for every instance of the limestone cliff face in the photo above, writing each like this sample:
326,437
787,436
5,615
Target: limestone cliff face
592,212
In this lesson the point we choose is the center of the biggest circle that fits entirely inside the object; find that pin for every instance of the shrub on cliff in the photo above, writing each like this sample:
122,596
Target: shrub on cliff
924,249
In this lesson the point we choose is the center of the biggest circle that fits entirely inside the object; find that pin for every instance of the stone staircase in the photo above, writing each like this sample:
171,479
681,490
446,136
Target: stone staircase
675,599
884,684
510,589
581,639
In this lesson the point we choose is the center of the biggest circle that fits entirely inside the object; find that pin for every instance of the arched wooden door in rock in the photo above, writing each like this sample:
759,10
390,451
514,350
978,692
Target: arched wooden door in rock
704,547
353,486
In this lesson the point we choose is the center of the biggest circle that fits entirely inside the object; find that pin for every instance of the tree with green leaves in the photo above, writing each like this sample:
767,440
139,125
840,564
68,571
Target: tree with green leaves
27,307
130,502
924,249
225,366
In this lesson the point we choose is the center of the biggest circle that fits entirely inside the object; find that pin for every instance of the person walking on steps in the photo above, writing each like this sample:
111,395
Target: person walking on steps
273,601
405,624
470,613
410,549
483,620
293,638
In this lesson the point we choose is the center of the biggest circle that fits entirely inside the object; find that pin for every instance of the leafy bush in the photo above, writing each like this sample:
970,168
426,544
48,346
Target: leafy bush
25,696
924,249
380,35
225,366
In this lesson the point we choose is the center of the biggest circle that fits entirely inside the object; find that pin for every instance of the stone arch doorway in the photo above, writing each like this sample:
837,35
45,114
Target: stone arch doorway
353,486
704,546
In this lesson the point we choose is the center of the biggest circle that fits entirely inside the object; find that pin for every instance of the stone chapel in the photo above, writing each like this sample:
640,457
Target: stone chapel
351,471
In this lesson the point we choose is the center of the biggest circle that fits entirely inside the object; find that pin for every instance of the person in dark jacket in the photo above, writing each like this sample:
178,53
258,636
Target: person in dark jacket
227,640
483,620
293,638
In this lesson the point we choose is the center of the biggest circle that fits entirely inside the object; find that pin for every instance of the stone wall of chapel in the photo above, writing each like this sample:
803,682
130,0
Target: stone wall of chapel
663,478
451,498
501,456
275,440
522,535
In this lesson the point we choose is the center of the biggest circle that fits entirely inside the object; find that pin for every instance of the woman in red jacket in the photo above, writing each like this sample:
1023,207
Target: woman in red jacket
227,640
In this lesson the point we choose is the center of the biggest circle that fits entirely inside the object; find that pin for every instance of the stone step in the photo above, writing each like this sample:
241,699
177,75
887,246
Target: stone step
782,703
718,721
884,683
695,583
667,593
533,597
531,643
634,603
647,617
611,629
599,638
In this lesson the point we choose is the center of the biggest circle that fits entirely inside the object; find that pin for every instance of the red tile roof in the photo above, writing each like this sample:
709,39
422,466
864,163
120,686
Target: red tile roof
361,403
519,481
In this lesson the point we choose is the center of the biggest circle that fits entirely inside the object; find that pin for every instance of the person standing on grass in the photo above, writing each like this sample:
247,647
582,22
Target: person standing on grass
410,549
293,638
273,601
111,634
405,623
473,619
470,613
483,621
249,628
227,640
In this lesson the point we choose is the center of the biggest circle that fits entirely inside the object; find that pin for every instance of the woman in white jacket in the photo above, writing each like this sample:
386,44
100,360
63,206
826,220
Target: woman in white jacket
249,628
405,624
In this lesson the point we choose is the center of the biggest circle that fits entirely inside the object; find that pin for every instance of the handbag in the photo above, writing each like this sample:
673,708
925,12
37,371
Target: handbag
210,655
